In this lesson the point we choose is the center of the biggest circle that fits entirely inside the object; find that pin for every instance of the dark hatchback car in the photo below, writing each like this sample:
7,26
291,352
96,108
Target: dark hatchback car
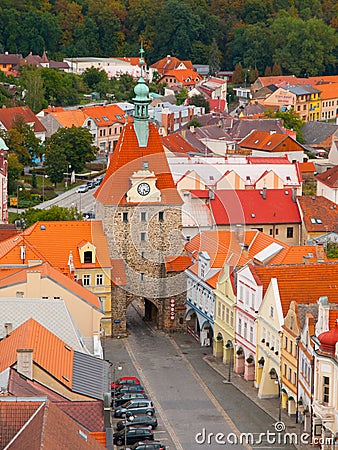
147,446
144,420
128,389
135,407
133,435
124,398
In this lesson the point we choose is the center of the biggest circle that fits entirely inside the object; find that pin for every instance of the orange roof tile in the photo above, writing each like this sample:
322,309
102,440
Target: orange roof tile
9,115
184,76
319,213
127,159
49,352
263,140
303,283
333,318
328,91
170,63
308,166
177,263
69,118
107,115
41,242
329,177
133,61
177,144
16,276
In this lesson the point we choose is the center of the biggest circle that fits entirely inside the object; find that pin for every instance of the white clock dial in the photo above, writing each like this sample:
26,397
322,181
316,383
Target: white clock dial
143,189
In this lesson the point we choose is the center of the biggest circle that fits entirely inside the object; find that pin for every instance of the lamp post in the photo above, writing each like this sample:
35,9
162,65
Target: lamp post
130,418
69,166
231,349
18,189
274,376
43,187
114,380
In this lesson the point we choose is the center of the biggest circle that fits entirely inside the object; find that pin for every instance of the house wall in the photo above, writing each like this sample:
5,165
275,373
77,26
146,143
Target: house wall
329,108
327,192
292,155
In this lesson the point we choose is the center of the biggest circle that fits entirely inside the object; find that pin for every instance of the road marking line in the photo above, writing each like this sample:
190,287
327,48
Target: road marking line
208,392
153,397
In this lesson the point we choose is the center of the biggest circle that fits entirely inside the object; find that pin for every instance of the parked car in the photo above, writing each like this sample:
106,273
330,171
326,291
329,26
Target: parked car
89,215
82,189
135,407
98,181
129,388
124,398
124,380
90,184
147,421
133,435
147,446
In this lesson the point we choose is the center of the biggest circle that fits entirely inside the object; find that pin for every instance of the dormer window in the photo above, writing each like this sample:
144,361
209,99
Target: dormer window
88,257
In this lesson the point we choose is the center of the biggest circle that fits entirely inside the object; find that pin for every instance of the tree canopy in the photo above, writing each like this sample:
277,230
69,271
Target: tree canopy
32,215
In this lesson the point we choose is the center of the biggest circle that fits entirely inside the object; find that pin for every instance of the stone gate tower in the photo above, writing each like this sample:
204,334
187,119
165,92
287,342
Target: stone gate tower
141,212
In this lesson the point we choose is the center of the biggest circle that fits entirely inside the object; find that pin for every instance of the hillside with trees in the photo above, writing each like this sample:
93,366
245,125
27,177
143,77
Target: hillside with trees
299,36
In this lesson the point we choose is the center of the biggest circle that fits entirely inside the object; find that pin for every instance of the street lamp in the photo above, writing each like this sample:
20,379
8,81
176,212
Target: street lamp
18,188
274,376
43,187
114,380
130,418
231,349
69,166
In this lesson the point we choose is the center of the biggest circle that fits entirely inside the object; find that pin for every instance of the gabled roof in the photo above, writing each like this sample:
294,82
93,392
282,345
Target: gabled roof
303,283
18,277
329,178
184,76
317,132
37,424
177,144
242,127
328,91
69,118
127,159
170,63
320,215
269,142
177,263
107,115
249,207
9,115
42,239
306,167
301,90
133,61
49,352
10,58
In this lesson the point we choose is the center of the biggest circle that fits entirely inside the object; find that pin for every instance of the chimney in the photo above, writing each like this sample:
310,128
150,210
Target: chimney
294,195
264,193
245,250
8,328
192,129
184,133
239,233
272,132
320,253
306,259
24,364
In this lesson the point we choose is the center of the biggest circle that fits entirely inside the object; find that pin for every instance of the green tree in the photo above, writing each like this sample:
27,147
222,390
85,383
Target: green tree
14,171
194,123
92,77
238,75
54,213
72,146
214,58
199,100
181,96
290,119
21,141
32,82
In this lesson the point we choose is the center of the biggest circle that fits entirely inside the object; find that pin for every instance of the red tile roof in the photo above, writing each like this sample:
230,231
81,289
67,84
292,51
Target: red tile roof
328,91
9,115
303,283
49,352
329,178
306,167
170,63
184,76
320,215
177,144
127,158
333,318
177,263
118,272
105,116
41,242
133,61
249,207
269,142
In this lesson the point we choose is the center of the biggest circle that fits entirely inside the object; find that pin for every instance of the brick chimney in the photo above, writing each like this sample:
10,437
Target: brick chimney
306,259
24,364
320,253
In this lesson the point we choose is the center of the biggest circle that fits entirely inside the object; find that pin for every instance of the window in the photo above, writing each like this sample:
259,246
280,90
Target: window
286,343
291,347
88,257
142,254
223,312
251,334
142,276
326,389
245,330
143,236
290,373
252,300
271,311
161,216
231,318
125,217
239,326
143,216
289,232
219,309
227,318
86,280
277,231
294,378
285,369
99,279
20,294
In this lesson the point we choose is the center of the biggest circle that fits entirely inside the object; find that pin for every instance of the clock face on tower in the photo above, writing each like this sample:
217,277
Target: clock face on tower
143,189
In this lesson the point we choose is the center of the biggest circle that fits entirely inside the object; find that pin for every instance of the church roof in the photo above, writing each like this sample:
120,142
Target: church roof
128,157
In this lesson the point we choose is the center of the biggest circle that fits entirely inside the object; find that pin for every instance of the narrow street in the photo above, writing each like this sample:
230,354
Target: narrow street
189,396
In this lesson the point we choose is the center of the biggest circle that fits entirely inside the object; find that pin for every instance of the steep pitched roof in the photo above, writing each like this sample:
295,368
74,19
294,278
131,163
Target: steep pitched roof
242,127
328,91
319,214
43,425
170,63
249,207
184,76
177,144
41,243
69,118
329,178
9,115
303,283
127,159
177,263
263,140
49,352
106,115
317,132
